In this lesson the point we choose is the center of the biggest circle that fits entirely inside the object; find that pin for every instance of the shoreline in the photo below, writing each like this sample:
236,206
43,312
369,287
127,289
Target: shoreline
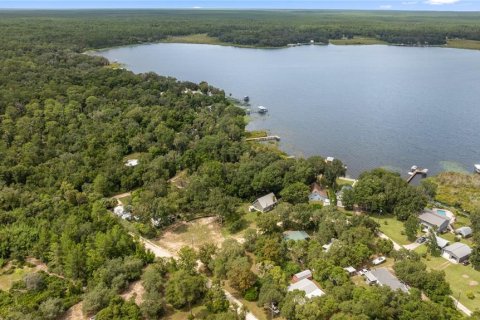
204,39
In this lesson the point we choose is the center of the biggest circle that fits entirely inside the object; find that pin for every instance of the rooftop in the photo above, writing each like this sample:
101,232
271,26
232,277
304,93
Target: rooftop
458,250
267,200
386,278
464,231
310,288
303,274
433,218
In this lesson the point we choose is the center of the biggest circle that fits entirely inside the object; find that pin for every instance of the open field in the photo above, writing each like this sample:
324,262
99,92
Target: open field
194,233
7,279
357,41
458,190
202,38
391,227
462,279
463,44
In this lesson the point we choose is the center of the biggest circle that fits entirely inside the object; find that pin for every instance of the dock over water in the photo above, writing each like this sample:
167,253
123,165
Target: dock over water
266,138
414,171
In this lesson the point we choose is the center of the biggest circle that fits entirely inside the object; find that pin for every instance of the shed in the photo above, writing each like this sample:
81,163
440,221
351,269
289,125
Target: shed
441,243
464,231
265,203
431,219
305,274
311,290
457,252
350,270
295,235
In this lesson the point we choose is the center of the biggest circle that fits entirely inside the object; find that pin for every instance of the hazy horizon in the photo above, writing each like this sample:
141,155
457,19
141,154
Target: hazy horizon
401,5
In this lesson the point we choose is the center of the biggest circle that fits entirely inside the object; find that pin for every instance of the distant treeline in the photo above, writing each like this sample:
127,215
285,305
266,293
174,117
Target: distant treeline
255,28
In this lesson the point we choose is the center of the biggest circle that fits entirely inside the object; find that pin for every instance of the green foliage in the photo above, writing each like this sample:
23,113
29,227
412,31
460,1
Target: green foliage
411,227
118,309
184,289
251,294
295,193
215,299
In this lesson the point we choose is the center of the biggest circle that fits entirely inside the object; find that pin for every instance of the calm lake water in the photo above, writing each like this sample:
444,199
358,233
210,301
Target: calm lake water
370,106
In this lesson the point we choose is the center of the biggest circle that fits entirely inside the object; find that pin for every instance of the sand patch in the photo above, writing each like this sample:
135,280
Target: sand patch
473,283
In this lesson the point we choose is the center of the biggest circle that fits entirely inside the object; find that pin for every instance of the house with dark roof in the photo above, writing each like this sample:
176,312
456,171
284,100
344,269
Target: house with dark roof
457,252
464,231
433,220
265,203
383,277
295,235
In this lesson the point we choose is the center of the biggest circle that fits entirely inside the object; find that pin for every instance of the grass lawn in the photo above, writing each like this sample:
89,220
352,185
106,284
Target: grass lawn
199,311
126,200
357,41
464,44
201,38
391,227
255,134
6,280
345,181
462,280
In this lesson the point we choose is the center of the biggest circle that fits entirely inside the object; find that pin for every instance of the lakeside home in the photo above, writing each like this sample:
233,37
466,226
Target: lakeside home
432,220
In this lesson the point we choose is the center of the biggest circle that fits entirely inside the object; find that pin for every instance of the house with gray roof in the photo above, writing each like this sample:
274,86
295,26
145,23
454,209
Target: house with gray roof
309,287
305,274
433,220
441,242
383,277
457,252
265,203
464,231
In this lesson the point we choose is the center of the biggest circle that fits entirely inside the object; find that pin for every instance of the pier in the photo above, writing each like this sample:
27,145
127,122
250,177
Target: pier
266,138
414,171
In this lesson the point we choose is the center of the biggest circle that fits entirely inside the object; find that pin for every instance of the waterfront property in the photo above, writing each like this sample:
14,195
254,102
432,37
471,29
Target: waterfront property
317,193
383,277
264,204
296,235
457,252
432,220
309,287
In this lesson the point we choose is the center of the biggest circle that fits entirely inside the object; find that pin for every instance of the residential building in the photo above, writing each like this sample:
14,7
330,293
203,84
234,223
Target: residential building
433,220
383,277
305,274
309,287
265,203
464,231
457,252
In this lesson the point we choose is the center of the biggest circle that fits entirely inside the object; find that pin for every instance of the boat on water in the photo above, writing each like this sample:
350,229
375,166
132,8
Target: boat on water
262,109
477,168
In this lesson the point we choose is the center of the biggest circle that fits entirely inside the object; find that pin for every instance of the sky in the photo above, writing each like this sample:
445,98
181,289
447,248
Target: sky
436,5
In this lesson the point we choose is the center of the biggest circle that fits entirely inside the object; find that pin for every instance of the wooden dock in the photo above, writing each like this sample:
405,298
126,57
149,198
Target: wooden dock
266,138
413,173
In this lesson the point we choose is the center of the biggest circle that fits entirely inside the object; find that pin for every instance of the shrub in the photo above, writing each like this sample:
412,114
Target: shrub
470,295
251,294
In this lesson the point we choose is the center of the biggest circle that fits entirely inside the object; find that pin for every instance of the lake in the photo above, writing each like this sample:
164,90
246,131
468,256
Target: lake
370,106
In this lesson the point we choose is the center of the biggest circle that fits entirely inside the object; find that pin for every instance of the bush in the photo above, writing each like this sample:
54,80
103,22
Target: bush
470,295
236,226
251,294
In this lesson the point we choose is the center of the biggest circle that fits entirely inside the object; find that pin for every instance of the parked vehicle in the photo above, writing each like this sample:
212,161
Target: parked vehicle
378,260
421,240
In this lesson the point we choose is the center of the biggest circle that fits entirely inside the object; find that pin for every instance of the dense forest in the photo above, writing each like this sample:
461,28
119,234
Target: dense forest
96,29
68,120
